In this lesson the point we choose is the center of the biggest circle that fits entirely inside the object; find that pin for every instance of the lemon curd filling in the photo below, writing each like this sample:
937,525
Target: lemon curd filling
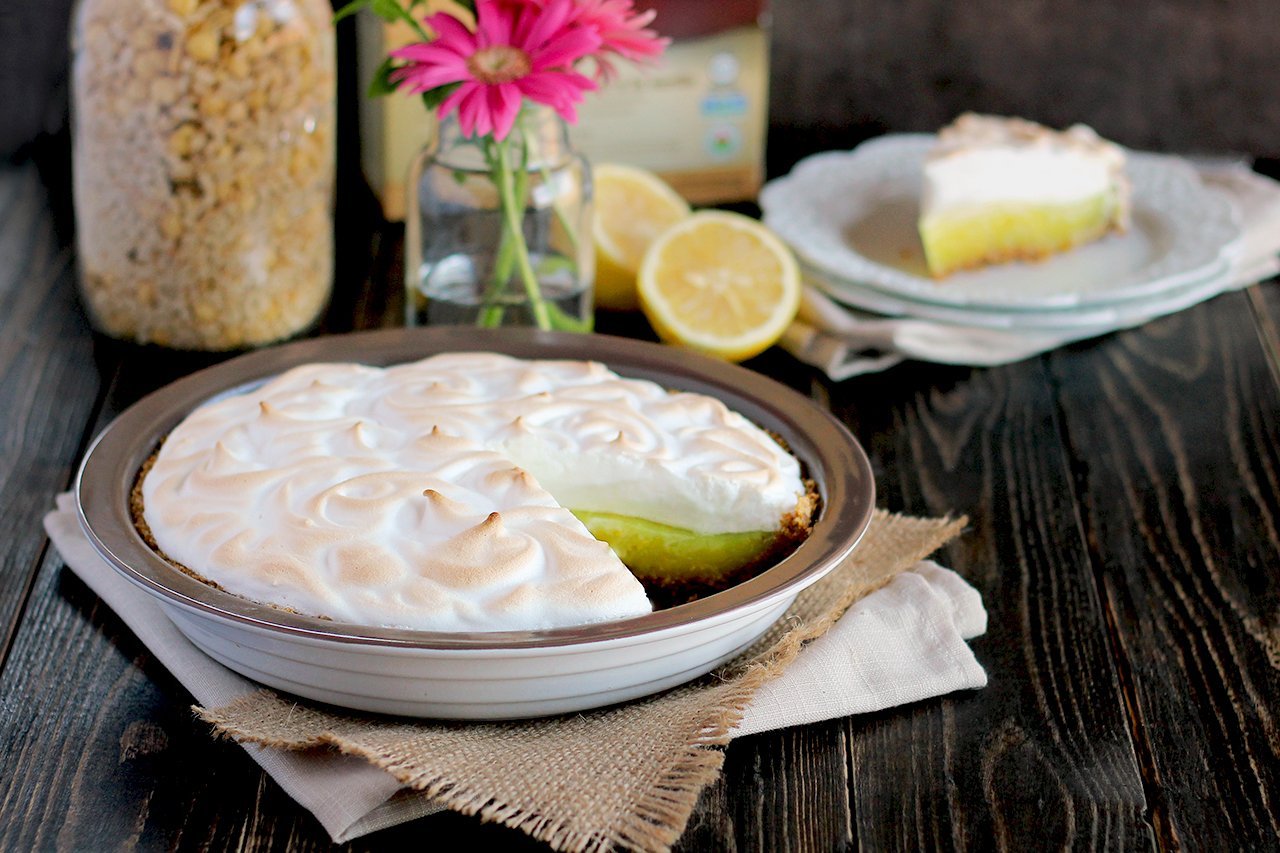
966,238
664,554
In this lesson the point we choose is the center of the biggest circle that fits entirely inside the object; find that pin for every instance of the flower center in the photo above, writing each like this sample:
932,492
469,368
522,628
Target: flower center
499,63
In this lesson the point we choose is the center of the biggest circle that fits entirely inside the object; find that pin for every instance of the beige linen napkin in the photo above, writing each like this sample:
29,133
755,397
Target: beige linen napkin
903,642
843,342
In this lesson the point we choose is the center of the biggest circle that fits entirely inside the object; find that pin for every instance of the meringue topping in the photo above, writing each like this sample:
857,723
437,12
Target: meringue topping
982,159
433,495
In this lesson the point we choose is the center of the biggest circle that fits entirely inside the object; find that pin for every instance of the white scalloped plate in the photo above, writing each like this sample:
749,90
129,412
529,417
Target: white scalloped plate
1095,318
852,215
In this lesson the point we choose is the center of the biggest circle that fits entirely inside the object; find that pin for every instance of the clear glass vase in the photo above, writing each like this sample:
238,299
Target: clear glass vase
499,233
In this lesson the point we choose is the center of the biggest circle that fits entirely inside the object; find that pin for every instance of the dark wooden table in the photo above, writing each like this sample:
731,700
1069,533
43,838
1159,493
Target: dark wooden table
1124,495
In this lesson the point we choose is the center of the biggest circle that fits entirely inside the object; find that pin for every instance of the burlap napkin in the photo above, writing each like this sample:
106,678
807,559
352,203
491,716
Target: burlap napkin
627,776
844,342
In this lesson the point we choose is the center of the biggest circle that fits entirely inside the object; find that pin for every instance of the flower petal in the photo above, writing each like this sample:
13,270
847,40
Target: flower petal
476,105
559,90
494,23
546,23
420,78
458,101
565,49
427,52
450,31
504,105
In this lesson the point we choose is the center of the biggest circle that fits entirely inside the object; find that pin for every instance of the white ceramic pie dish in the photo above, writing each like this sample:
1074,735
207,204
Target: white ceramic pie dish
495,675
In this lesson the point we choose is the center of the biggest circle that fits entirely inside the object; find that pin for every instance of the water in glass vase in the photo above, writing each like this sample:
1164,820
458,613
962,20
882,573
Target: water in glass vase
451,293
500,233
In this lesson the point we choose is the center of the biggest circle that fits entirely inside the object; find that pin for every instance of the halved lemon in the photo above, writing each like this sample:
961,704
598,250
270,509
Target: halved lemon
720,283
632,207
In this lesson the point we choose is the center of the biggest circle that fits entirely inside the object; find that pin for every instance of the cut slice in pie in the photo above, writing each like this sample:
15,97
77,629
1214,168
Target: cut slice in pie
462,492
1004,189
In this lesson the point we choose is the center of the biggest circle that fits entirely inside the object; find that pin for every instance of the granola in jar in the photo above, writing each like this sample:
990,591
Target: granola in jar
203,168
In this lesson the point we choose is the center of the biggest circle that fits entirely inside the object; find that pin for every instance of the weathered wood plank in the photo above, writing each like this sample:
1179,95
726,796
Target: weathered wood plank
49,384
786,790
106,754
783,790
1264,300
1042,756
1175,433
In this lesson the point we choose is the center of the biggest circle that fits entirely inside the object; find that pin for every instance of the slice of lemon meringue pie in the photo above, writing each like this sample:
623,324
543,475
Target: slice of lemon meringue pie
1002,189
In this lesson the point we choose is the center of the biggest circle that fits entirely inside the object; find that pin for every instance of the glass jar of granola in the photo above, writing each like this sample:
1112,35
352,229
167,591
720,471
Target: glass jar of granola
203,134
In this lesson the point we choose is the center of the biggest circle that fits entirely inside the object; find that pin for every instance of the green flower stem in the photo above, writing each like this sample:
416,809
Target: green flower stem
493,310
545,174
405,15
568,322
491,314
559,319
512,208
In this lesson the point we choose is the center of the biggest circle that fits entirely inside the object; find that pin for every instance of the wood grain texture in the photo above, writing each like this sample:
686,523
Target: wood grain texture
1264,302
49,385
1175,433
786,790
1123,498
1041,758
1175,75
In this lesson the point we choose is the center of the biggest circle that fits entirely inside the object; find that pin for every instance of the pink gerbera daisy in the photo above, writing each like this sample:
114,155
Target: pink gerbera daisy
516,52
623,32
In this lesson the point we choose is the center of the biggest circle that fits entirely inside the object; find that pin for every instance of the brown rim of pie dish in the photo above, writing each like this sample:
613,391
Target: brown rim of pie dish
834,459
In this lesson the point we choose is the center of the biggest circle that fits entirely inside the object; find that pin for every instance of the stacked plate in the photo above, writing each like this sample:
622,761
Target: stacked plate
851,218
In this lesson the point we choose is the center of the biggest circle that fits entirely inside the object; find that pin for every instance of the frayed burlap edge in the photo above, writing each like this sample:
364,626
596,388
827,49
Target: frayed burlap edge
555,783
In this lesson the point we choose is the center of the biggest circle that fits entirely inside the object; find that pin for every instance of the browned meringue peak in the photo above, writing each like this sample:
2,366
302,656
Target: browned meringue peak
975,130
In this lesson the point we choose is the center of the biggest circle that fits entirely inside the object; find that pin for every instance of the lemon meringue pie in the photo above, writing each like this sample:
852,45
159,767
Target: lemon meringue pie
450,494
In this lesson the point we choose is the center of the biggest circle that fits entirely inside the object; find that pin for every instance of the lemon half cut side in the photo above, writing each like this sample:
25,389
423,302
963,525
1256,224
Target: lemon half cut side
632,207
720,283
